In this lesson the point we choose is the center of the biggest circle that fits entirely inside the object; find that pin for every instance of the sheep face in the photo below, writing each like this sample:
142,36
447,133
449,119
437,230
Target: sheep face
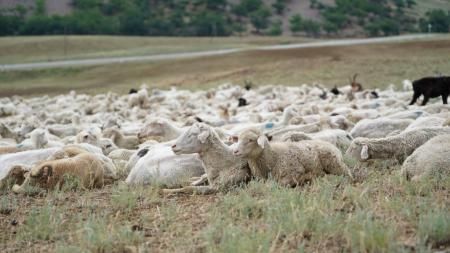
39,138
359,150
250,144
107,146
192,141
87,137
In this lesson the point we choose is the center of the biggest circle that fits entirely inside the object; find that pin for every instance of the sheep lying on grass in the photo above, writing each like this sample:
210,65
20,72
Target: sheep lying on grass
290,164
158,165
223,170
430,158
51,174
393,147
24,159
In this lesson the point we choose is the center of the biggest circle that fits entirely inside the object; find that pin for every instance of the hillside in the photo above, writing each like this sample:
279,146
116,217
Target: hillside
335,18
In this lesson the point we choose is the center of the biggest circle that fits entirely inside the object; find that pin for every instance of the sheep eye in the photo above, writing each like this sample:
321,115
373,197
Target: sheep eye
108,146
85,137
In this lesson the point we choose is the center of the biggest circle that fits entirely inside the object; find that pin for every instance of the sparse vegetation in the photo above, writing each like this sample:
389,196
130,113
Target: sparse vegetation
382,214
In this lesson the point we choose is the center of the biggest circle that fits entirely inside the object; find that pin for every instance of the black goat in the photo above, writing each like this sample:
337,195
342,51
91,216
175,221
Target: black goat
431,87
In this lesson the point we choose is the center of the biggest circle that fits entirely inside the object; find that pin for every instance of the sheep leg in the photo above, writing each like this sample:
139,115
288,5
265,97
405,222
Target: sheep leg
444,98
201,180
415,97
425,99
202,190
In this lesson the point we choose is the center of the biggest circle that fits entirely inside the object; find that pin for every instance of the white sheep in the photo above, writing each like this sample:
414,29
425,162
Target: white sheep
223,170
393,147
430,158
290,164
158,165
380,127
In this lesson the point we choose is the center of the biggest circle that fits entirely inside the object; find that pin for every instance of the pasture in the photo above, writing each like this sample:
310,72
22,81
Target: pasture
378,210
378,65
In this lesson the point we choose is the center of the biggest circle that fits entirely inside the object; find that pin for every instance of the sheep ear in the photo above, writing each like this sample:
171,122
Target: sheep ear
203,136
262,141
365,152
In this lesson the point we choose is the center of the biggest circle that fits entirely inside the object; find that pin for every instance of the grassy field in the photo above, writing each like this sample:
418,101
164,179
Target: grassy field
50,48
378,65
382,214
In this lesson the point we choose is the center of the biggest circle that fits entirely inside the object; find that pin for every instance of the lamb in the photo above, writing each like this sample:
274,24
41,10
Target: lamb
431,87
51,174
122,141
430,158
290,164
397,147
380,127
223,170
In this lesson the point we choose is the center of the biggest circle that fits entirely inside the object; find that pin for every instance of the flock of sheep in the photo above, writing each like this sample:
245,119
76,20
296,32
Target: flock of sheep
208,141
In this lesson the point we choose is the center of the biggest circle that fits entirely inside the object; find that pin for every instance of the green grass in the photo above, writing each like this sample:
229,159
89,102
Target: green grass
50,48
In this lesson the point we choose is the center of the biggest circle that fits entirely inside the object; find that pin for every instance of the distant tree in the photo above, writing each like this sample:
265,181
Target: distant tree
295,23
330,28
10,24
260,18
40,8
86,4
133,22
311,28
245,7
410,3
208,23
276,28
279,6
439,21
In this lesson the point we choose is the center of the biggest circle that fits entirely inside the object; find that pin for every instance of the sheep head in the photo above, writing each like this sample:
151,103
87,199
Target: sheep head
359,149
87,137
42,171
107,145
39,137
251,143
193,140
